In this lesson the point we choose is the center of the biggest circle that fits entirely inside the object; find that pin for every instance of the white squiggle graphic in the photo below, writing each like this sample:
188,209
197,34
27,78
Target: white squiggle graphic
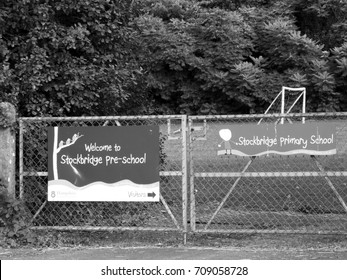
102,184
292,152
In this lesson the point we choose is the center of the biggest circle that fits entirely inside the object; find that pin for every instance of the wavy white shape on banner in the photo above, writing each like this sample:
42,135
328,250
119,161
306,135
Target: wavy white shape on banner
292,152
125,190
123,183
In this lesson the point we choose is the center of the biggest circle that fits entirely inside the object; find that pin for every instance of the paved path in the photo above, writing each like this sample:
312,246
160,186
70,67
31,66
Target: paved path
170,253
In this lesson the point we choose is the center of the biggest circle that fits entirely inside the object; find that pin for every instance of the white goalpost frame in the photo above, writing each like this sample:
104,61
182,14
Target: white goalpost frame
303,95
282,95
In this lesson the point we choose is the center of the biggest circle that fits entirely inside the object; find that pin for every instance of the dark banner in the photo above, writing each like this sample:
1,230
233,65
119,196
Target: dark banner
103,163
284,139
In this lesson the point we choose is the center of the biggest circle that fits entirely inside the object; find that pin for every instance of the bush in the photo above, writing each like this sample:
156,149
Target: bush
14,221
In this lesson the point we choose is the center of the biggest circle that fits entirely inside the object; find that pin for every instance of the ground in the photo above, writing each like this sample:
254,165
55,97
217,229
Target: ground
131,245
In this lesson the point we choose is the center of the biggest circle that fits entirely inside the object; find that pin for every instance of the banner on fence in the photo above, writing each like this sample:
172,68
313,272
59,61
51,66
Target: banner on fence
285,139
103,163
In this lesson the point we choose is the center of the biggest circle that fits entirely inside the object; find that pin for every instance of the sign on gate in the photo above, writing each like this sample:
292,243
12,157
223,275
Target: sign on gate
285,139
103,163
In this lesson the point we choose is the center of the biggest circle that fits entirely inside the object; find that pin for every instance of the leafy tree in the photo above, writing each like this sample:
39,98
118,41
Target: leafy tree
68,57
324,21
98,57
189,57
209,57
294,58
338,62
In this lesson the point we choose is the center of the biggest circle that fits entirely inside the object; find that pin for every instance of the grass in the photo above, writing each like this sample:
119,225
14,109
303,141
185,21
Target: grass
63,239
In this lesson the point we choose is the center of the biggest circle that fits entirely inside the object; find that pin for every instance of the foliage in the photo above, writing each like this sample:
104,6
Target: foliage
14,220
294,58
215,57
322,20
187,60
67,57
338,64
102,57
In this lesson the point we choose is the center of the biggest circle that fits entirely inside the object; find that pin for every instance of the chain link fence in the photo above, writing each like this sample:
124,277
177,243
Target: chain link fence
269,193
227,193
167,214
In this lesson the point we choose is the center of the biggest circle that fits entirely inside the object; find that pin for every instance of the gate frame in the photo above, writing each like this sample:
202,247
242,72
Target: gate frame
183,173
321,173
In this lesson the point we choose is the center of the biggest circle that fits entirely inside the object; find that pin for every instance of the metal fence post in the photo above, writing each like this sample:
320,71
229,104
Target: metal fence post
184,177
191,178
21,189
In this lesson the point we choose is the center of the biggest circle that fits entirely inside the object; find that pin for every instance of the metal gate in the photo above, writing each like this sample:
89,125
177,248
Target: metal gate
298,193
170,213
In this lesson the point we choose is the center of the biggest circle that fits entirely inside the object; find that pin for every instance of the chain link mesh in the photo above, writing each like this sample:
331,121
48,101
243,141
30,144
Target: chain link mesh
165,214
297,193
